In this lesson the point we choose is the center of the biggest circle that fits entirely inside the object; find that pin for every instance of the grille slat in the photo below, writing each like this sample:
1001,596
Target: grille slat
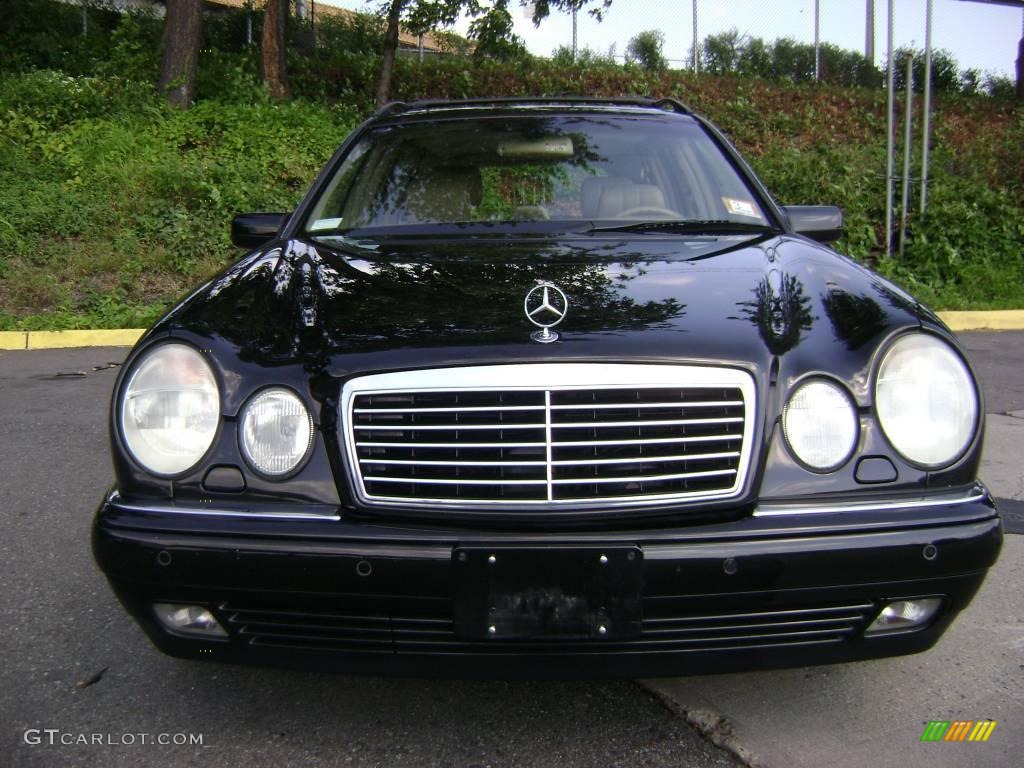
623,406
638,423
552,434
435,633
642,459
646,478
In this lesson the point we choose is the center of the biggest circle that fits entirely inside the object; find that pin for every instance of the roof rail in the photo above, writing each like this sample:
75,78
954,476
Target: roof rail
675,104
398,107
392,107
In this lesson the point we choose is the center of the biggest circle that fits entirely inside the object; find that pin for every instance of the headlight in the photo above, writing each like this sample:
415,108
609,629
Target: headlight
820,424
276,431
926,400
170,409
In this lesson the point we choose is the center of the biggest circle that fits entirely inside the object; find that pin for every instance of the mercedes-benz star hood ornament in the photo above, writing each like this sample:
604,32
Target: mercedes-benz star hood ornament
545,306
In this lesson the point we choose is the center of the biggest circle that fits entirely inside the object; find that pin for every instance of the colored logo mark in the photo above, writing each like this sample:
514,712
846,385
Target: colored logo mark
958,730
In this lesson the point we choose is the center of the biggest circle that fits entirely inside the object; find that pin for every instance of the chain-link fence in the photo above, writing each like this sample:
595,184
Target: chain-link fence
843,42
976,40
840,42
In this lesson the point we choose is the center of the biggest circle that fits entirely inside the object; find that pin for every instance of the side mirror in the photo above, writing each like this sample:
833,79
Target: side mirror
251,230
823,223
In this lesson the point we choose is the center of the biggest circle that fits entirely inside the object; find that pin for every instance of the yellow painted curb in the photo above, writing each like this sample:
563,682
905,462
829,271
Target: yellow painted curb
13,340
124,337
992,320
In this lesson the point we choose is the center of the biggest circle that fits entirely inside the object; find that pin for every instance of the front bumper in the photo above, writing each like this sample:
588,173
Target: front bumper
787,586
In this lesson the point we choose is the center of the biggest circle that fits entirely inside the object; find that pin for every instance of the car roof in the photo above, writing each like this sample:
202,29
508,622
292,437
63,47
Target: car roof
451,107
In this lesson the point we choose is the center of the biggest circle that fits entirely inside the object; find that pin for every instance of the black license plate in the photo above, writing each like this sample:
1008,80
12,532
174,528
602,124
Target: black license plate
536,593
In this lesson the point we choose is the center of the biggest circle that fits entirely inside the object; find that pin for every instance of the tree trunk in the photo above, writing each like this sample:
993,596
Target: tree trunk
182,29
275,76
390,50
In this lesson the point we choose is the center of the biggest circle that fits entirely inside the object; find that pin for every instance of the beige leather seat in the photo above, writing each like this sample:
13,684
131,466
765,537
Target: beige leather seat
444,194
591,190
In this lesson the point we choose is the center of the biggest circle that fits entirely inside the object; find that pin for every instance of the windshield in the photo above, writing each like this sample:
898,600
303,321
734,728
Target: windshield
502,172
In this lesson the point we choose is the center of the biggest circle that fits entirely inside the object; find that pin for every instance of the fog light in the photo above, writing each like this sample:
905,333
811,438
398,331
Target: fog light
188,620
904,614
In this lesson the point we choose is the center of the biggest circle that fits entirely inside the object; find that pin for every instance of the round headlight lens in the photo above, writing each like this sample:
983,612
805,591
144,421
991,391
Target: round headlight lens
926,400
820,423
170,409
276,431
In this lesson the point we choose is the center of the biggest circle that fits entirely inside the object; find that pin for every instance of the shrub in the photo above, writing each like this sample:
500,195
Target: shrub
111,203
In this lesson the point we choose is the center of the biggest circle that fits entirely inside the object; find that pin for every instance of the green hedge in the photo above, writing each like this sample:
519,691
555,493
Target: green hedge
112,204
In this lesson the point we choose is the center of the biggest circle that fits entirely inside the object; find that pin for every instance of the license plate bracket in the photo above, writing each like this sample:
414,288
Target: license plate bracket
547,592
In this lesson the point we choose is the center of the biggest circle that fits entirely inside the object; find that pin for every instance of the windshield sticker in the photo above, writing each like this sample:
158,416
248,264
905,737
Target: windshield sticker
321,224
740,207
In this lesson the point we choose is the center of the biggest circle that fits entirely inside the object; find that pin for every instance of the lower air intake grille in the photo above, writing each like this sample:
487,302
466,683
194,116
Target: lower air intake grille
571,434
432,631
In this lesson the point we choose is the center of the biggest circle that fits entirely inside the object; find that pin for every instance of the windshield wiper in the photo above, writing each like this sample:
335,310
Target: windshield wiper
688,227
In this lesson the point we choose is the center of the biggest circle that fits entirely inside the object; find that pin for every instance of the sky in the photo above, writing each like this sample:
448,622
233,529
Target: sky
979,35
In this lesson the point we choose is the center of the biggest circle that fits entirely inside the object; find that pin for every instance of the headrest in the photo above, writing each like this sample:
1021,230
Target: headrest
616,200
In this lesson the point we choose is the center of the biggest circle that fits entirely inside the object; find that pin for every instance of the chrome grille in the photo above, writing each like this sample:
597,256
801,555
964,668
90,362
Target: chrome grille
562,434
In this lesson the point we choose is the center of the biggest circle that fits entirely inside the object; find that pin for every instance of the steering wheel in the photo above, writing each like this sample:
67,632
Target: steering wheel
649,210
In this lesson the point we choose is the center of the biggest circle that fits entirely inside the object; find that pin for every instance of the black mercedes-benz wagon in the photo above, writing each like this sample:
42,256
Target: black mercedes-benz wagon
545,387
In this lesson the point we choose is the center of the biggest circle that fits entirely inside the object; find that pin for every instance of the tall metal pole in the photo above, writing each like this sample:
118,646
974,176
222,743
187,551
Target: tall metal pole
817,40
889,140
1020,59
574,9
869,32
926,130
696,45
85,18
907,137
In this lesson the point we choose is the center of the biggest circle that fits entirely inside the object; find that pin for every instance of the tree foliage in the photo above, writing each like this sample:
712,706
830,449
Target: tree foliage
490,28
730,53
946,77
645,50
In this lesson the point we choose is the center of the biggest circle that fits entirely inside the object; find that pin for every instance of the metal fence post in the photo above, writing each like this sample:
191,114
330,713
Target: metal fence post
908,120
574,38
817,41
696,45
889,140
926,130
869,32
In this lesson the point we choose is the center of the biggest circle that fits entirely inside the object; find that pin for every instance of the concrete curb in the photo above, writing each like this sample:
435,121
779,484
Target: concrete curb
993,320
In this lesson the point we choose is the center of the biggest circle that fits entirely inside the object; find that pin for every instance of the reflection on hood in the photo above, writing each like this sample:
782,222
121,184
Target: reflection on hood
780,310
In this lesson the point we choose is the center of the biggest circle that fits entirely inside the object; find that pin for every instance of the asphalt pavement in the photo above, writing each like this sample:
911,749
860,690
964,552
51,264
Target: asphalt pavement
76,668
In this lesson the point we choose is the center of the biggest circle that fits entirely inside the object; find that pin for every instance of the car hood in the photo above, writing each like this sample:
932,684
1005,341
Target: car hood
773,303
